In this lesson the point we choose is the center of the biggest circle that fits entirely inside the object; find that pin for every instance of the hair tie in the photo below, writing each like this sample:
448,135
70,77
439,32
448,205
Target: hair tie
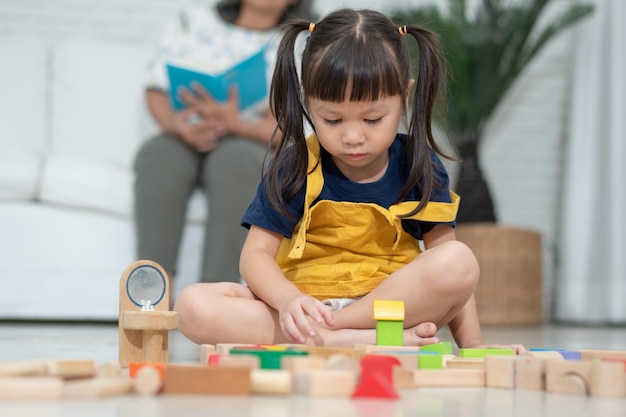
402,30
311,27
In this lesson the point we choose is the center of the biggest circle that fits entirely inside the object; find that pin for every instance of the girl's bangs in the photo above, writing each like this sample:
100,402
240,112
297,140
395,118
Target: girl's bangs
357,73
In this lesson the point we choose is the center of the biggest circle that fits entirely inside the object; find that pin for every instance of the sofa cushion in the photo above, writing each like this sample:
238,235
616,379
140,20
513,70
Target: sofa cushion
98,100
82,182
98,122
23,97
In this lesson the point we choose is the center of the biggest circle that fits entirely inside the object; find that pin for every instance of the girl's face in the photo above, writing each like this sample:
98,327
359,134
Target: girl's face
358,134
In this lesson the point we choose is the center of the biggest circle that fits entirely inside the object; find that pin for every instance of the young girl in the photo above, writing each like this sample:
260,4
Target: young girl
337,220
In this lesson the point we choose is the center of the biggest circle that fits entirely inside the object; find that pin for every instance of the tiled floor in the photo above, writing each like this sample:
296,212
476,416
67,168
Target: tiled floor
20,341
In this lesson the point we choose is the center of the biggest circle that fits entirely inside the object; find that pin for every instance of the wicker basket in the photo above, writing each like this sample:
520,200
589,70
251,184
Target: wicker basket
510,286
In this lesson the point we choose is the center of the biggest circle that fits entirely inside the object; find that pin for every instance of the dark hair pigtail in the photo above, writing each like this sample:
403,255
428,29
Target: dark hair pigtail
287,169
429,76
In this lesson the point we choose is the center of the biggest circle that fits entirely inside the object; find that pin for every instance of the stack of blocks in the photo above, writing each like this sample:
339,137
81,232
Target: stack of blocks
365,371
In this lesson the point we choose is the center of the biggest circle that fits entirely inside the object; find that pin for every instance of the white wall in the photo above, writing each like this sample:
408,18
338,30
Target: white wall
522,150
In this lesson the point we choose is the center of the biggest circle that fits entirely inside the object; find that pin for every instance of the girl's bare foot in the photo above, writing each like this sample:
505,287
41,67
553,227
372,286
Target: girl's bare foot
419,335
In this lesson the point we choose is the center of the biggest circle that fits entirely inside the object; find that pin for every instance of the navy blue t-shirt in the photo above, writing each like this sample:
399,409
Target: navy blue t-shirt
337,187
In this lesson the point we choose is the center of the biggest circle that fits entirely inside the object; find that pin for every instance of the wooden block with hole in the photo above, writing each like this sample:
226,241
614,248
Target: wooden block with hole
568,377
449,378
325,382
500,372
200,379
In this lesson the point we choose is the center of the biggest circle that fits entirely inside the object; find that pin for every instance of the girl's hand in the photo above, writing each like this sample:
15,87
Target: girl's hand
297,312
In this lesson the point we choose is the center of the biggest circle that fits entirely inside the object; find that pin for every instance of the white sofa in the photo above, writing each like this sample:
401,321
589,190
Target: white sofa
71,120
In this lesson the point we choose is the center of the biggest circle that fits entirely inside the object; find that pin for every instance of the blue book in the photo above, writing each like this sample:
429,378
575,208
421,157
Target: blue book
248,75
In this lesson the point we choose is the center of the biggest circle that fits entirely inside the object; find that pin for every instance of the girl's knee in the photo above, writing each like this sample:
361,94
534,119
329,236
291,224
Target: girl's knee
454,263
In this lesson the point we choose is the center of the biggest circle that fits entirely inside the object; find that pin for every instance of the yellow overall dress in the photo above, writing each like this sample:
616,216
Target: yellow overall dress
346,249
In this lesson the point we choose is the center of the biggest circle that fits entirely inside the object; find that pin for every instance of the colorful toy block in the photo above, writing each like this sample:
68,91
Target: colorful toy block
270,359
442,348
481,353
389,316
376,377
199,379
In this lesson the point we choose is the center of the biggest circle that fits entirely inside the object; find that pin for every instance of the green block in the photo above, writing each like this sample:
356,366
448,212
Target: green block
481,353
389,332
269,359
442,348
429,362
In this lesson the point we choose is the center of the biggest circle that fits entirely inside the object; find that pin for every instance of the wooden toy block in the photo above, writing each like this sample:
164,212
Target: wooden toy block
108,370
31,388
302,363
325,382
376,377
148,381
545,355
500,371
270,359
205,352
71,368
569,355
591,354
530,373
135,367
326,352
449,378
442,348
467,363
98,388
342,362
271,382
199,379
389,333
23,368
407,360
235,361
607,380
383,349
567,377
434,361
389,316
144,286
224,348
481,353
154,327
403,378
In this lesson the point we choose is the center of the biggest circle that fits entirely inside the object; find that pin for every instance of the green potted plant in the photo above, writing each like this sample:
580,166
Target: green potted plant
487,48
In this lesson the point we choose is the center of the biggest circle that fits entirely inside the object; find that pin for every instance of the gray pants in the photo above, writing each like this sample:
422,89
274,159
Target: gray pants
167,172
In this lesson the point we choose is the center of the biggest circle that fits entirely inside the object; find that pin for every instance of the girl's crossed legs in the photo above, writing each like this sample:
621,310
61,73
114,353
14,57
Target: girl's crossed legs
434,288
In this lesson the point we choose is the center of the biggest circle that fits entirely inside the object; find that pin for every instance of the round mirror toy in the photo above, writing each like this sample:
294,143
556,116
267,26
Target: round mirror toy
146,286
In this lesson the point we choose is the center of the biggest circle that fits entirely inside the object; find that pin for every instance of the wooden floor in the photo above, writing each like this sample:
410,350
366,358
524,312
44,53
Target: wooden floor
19,341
